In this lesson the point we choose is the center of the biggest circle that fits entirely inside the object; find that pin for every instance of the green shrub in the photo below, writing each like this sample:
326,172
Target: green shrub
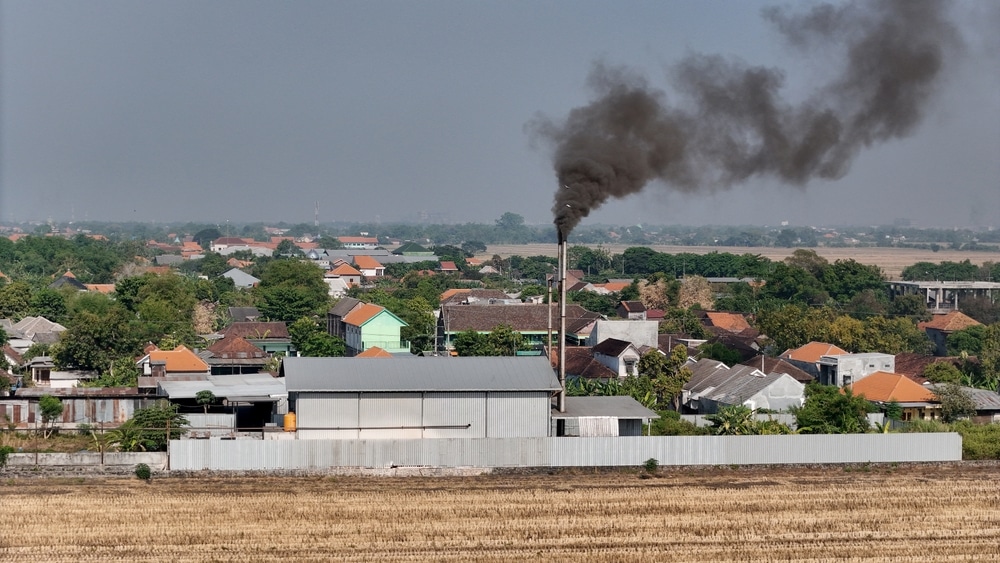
979,441
143,472
651,465
4,451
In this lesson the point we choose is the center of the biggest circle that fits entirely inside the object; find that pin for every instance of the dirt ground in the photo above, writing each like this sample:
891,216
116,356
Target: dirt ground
891,260
920,512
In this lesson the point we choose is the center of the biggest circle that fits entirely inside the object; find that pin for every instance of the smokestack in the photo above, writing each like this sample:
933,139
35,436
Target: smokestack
562,324
730,122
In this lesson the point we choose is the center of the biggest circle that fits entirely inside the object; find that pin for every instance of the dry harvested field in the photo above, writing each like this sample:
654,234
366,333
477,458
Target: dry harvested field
879,513
891,260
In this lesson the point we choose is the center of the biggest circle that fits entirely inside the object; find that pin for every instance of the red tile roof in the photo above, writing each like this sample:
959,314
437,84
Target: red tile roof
731,322
954,320
362,314
374,352
345,270
180,359
366,262
883,386
813,351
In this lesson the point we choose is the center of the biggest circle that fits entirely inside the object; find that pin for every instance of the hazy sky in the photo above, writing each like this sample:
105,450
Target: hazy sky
254,111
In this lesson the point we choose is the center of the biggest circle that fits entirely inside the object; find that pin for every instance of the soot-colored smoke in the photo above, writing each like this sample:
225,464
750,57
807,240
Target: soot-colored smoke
730,122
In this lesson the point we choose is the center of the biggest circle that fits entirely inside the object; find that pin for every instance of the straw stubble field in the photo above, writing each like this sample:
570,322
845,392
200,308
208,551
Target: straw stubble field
880,513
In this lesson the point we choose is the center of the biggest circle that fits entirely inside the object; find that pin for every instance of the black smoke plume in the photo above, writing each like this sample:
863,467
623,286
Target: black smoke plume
730,122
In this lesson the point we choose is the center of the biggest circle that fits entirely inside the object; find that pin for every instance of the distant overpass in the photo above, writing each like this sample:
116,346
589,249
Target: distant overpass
943,294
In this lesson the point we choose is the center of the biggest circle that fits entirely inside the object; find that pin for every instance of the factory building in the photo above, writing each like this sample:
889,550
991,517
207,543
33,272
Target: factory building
432,397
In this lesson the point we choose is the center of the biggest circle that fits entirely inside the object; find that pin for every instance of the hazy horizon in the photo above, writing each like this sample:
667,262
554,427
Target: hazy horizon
399,112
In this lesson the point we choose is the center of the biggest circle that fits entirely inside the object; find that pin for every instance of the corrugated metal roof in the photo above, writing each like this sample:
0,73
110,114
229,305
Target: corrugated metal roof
504,373
226,386
618,407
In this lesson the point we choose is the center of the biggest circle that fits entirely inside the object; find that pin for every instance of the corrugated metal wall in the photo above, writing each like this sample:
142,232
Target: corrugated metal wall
400,416
328,410
456,410
563,452
390,415
111,411
517,414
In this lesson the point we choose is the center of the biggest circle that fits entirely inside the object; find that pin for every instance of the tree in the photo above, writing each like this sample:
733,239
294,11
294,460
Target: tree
205,237
668,374
695,290
942,372
807,260
846,278
147,430
15,300
51,408
286,248
736,420
472,247
50,304
510,221
505,341
830,410
204,398
291,289
719,351
310,340
955,402
989,355
968,340
470,343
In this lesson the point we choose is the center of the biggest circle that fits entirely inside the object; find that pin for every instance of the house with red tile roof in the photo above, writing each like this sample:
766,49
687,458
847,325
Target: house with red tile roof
918,402
180,360
368,325
938,328
807,356
369,266
346,272
447,267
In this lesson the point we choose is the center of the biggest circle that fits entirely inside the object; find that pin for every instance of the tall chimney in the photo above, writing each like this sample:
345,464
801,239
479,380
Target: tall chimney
562,322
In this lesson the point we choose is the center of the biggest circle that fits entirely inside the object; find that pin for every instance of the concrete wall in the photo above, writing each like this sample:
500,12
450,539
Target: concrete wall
640,333
155,460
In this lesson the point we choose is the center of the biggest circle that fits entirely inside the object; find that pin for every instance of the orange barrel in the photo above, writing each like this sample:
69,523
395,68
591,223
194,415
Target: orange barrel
290,422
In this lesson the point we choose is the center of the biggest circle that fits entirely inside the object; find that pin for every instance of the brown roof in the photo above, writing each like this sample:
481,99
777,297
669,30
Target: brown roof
457,296
613,286
448,266
950,322
730,322
235,347
813,351
364,240
580,362
633,306
522,318
611,347
257,330
777,365
883,386
912,365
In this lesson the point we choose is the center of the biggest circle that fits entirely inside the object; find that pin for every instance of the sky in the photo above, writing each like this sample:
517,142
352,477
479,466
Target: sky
393,111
